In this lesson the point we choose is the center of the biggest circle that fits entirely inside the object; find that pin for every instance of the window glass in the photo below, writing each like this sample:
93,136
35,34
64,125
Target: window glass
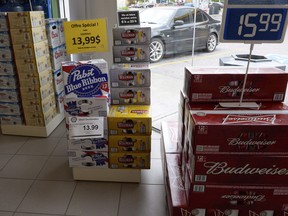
183,15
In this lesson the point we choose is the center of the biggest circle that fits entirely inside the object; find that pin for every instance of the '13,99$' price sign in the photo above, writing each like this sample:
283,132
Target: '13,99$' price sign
86,127
86,36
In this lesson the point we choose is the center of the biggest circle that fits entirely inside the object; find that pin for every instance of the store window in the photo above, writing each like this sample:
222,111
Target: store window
183,15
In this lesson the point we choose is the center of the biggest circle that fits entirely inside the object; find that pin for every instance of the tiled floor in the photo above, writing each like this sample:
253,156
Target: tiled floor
35,180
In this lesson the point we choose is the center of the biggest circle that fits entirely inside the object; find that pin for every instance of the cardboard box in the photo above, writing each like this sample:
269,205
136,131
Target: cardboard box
93,107
27,50
39,105
9,95
238,133
132,36
6,54
169,138
216,84
60,101
130,120
10,109
7,68
85,78
52,31
85,159
5,39
241,170
135,96
92,144
37,92
131,54
58,55
129,160
8,82
39,120
27,19
61,30
3,21
125,78
33,65
137,144
32,79
11,120
28,35
58,81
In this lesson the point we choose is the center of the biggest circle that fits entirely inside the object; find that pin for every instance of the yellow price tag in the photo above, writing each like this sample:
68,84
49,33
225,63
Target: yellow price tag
86,36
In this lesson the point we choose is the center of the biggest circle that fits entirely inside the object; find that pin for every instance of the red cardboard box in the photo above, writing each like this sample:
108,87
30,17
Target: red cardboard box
238,169
238,133
226,83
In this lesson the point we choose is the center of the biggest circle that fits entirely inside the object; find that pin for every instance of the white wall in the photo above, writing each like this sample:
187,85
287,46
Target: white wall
93,9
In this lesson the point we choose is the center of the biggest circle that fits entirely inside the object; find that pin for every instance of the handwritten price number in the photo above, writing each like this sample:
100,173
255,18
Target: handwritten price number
90,127
86,40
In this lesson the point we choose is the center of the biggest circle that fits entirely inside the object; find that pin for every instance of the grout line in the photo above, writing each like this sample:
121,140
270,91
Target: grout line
119,201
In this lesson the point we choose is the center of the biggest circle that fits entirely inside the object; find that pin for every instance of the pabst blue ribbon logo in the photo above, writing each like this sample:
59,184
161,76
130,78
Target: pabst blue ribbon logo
85,81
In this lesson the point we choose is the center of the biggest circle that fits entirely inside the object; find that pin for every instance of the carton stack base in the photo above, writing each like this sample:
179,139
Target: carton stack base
34,131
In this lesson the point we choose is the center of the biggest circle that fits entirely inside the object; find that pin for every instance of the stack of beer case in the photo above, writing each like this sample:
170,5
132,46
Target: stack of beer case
86,86
229,160
58,54
10,103
31,52
129,120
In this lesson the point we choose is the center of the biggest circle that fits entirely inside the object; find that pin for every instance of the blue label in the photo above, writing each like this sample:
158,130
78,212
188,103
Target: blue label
85,81
100,159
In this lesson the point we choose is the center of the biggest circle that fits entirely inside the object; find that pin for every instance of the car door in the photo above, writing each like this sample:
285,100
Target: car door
202,29
182,34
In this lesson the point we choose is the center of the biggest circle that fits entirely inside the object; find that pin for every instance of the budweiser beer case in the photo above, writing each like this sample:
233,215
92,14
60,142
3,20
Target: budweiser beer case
238,133
237,169
226,84
124,78
130,120
85,78
129,36
169,137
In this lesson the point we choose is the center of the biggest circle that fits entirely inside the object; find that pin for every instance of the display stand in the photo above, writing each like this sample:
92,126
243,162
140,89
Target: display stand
34,131
113,175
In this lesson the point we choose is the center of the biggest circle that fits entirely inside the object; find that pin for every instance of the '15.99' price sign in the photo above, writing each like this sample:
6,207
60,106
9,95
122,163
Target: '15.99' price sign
262,21
86,36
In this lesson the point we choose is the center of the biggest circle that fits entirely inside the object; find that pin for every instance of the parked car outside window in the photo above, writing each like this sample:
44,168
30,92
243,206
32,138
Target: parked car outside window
172,30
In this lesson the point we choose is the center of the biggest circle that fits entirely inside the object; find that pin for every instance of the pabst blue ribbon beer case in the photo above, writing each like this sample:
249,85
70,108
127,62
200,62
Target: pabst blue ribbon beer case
226,84
85,78
238,133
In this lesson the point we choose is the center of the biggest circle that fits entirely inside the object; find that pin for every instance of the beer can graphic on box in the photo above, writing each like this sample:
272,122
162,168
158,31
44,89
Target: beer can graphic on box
85,78
92,144
238,133
121,78
136,96
92,159
216,84
129,36
131,54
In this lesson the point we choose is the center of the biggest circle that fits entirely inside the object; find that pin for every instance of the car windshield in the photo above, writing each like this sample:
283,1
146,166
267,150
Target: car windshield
157,16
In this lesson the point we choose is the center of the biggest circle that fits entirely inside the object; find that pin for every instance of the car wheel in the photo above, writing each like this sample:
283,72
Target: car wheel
156,50
211,43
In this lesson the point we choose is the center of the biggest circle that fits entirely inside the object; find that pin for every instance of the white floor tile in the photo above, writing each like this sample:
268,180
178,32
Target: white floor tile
23,166
12,193
155,149
57,168
39,146
95,198
48,197
11,144
142,200
61,148
4,159
154,175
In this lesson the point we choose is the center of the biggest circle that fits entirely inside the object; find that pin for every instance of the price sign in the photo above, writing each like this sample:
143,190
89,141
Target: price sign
262,22
86,36
128,18
86,127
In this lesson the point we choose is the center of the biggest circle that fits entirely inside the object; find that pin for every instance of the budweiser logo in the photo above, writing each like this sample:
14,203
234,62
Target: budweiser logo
240,119
244,197
250,142
218,168
228,89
